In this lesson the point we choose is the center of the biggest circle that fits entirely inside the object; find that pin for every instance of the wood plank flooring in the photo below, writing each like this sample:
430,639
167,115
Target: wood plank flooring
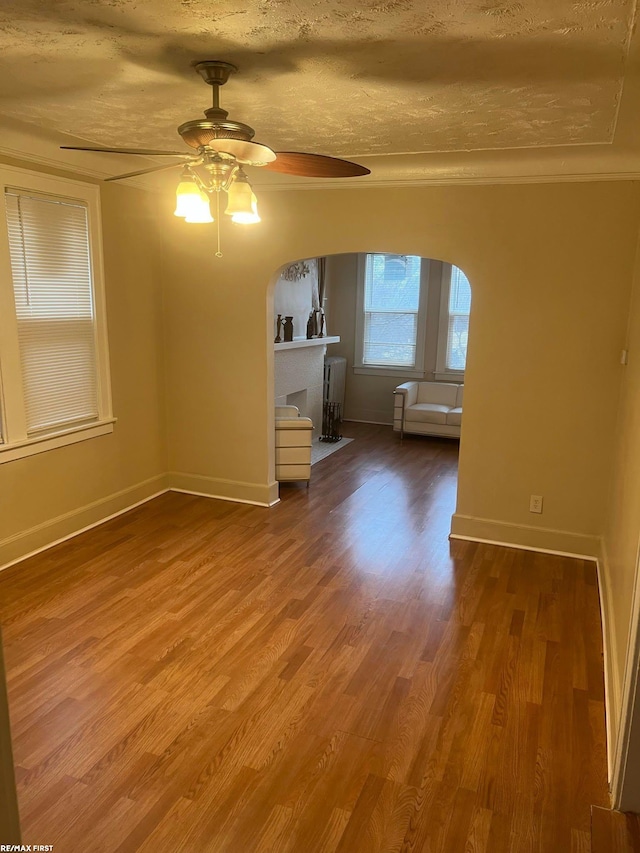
328,675
614,832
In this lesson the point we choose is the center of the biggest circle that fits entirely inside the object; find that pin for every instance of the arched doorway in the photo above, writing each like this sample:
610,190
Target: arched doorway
390,318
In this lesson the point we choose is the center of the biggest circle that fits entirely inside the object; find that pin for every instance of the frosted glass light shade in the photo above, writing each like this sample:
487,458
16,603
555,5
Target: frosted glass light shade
239,198
188,197
200,210
248,218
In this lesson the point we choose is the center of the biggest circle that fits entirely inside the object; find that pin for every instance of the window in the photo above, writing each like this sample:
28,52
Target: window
53,352
455,305
391,314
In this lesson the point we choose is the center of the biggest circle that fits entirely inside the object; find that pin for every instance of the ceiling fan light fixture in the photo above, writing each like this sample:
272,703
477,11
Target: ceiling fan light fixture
239,196
248,218
188,196
200,210
220,147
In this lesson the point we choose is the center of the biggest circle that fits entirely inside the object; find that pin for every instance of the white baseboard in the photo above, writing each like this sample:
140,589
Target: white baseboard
42,536
529,538
224,490
376,423
612,682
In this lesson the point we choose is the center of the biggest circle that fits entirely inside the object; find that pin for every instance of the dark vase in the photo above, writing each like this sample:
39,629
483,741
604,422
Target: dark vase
288,328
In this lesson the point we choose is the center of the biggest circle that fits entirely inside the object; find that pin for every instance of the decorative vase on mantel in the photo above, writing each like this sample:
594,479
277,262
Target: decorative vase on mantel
288,329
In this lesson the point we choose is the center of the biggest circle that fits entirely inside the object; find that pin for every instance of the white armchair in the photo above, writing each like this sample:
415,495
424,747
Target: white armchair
293,445
428,408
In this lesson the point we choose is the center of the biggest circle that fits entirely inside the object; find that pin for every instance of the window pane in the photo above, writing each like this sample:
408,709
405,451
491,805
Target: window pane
392,283
53,291
390,328
457,344
460,293
390,354
391,303
458,330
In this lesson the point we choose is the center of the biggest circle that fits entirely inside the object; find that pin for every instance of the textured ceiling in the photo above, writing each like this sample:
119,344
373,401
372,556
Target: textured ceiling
332,76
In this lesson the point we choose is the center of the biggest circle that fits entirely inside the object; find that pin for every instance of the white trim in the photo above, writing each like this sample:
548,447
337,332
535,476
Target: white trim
377,423
582,546
449,181
455,376
610,662
223,497
69,515
257,494
537,550
72,435
296,343
389,371
627,711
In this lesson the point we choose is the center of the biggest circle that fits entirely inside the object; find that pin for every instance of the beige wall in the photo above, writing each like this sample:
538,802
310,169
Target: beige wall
368,397
550,267
52,494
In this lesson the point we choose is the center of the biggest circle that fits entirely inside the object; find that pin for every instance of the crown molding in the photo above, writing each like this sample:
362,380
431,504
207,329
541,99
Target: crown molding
72,168
453,180
287,185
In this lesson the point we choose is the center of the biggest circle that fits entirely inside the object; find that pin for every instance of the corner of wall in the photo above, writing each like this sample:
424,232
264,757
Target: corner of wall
35,539
612,681
224,490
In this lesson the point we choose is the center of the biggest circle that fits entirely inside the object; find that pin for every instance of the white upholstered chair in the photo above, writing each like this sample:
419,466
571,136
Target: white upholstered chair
428,408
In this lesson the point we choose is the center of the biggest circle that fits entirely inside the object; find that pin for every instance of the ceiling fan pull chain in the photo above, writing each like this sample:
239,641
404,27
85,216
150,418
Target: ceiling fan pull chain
218,253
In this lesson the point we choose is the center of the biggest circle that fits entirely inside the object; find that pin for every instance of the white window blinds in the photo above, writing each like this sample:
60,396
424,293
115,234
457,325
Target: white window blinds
391,305
458,328
52,284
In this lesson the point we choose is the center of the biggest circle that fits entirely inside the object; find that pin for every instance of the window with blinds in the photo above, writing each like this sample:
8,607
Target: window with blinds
458,320
55,314
391,308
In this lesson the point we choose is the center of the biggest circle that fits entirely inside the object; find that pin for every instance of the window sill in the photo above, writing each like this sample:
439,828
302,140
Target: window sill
407,372
450,376
31,446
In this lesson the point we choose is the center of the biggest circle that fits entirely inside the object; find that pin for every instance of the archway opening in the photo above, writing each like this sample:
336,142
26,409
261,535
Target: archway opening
359,326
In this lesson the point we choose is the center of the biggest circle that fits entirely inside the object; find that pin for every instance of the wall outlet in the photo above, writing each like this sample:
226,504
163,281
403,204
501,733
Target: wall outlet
535,503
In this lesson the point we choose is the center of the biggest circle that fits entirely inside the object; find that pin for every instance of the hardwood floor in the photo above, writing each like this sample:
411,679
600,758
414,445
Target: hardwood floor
614,832
328,675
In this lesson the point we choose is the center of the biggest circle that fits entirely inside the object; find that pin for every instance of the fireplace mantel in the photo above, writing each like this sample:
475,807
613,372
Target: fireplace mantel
307,342
299,375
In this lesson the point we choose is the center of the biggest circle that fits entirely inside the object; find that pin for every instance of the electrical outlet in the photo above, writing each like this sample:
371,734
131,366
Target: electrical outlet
535,503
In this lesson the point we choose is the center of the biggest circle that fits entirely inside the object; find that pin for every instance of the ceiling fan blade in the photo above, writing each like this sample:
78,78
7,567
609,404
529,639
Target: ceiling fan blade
144,172
127,151
251,153
315,166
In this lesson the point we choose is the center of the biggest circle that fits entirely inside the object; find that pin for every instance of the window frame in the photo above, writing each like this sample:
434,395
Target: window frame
14,441
442,373
416,372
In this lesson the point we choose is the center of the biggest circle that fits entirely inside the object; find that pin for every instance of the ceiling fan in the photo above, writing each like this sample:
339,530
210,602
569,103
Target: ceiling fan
221,149
222,146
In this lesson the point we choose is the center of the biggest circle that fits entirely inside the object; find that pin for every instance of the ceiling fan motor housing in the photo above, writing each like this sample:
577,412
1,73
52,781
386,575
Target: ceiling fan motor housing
197,133
201,131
